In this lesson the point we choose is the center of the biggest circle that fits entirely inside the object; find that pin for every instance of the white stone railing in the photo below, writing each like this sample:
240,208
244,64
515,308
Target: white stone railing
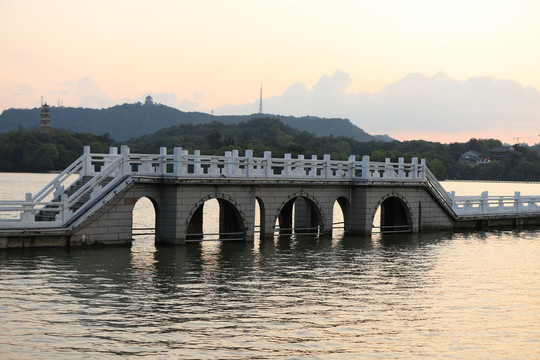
106,171
496,205
181,164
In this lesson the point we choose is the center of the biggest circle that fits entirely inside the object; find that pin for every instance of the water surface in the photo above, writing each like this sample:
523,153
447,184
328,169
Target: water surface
434,296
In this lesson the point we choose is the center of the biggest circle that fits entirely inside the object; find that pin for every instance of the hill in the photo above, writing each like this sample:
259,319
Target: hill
123,122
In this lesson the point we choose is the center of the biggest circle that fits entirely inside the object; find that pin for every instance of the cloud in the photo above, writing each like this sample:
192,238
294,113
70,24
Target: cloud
418,105
21,90
90,94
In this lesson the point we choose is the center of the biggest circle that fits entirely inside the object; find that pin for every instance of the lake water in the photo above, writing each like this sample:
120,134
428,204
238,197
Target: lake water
473,295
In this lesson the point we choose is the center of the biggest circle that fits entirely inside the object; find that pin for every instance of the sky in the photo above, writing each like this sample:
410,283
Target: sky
413,69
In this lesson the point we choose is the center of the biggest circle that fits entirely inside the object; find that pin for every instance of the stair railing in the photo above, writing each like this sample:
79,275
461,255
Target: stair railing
440,193
58,181
93,187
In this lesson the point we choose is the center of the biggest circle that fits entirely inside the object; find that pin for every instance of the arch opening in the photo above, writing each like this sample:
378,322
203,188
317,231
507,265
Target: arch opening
392,216
341,206
216,219
299,216
144,217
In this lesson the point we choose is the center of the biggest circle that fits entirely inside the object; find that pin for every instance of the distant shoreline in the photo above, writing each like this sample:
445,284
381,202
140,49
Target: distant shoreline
494,181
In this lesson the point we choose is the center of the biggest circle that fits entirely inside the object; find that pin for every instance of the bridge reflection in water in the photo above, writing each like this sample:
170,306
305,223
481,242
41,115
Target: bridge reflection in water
262,196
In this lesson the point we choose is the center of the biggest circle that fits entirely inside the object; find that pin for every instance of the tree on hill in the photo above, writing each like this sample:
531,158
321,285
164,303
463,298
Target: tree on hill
27,150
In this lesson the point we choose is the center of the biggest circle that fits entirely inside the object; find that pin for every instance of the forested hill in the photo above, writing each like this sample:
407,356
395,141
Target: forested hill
123,122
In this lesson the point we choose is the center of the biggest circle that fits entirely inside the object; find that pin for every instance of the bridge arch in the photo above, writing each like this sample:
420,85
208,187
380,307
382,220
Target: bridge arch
143,224
396,214
232,220
300,213
341,221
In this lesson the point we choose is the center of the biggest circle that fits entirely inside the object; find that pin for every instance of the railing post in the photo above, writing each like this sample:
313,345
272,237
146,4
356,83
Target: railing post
87,162
352,163
184,163
268,158
401,171
287,164
365,167
227,167
26,216
414,165
301,166
197,162
387,173
64,200
423,169
234,163
313,165
124,168
249,163
177,157
517,196
113,152
484,202
327,169
163,160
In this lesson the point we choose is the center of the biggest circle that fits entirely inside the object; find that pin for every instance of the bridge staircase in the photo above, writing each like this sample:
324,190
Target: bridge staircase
50,211
440,194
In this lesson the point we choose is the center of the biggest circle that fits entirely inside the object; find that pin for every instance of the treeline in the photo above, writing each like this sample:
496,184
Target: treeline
269,134
42,151
38,151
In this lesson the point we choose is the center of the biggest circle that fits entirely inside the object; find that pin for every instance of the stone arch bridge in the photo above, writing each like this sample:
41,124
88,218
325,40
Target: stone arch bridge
92,201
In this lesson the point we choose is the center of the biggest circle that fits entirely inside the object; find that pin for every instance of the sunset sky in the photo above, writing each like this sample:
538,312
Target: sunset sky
414,69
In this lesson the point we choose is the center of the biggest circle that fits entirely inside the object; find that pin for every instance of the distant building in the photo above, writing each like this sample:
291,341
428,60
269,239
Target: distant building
470,157
149,100
45,117
500,152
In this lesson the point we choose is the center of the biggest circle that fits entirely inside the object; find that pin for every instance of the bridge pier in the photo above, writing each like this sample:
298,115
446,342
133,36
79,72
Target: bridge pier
360,215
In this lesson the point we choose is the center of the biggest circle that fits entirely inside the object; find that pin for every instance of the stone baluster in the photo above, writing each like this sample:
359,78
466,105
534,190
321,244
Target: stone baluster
235,170
327,168
87,162
178,162
196,162
387,169
248,165
113,155
124,167
287,165
313,166
401,167
28,207
300,169
484,203
162,161
268,159
227,166
365,167
414,167
352,165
